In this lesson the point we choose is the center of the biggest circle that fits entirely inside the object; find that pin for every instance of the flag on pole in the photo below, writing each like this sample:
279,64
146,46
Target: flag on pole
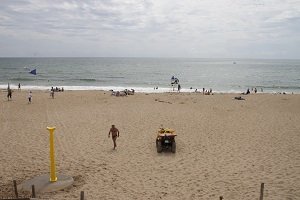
33,72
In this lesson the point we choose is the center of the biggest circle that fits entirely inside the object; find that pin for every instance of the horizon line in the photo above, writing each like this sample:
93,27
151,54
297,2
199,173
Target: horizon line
162,57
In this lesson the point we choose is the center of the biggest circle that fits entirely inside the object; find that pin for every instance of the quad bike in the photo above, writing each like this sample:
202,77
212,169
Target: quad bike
165,140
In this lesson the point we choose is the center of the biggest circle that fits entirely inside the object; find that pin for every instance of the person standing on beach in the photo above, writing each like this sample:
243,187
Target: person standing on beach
52,93
29,97
19,86
9,94
179,87
114,134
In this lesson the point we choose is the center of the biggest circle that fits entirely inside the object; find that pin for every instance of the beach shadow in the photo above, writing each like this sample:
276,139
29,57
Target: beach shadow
79,181
5,100
111,151
166,152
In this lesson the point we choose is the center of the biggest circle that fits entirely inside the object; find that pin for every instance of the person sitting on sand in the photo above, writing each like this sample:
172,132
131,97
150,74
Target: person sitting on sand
248,91
114,134
207,92
119,94
130,92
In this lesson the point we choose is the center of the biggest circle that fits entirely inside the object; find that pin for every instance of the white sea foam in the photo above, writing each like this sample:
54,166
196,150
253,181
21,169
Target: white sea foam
103,88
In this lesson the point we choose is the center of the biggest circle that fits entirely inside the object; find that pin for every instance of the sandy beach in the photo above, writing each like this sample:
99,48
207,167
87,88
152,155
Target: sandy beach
225,147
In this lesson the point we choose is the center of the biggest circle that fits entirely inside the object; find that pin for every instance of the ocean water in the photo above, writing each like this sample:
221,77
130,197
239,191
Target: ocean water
143,74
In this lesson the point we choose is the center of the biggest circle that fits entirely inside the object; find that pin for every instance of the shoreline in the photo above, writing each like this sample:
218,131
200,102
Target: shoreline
148,93
139,90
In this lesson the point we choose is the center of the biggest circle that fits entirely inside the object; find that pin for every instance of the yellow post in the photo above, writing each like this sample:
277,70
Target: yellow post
53,177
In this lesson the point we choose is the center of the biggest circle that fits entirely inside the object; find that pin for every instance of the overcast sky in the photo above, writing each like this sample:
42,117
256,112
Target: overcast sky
151,28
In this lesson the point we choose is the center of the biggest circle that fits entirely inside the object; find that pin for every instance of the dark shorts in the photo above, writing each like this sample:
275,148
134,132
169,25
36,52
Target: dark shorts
114,137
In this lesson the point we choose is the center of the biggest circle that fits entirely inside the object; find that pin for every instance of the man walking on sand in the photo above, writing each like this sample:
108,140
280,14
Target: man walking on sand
114,134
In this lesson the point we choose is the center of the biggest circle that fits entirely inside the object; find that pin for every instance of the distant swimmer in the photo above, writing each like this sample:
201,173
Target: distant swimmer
114,134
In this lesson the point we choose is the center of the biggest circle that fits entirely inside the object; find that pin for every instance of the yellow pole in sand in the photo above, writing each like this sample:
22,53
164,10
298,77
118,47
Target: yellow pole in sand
53,177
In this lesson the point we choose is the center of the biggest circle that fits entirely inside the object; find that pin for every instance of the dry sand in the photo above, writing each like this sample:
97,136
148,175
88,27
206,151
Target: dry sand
224,146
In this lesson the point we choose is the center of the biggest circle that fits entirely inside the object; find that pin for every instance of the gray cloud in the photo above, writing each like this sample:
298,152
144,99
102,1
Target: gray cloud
233,28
